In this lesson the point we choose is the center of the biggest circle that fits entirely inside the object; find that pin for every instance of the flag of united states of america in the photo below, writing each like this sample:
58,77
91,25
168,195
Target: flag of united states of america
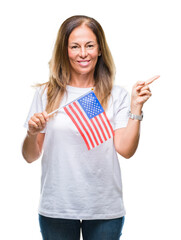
90,119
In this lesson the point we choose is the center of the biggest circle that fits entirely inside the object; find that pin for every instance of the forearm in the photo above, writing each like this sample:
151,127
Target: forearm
131,137
30,148
126,139
132,132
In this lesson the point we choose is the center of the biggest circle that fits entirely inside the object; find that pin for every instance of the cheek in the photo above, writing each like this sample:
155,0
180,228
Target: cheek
95,54
71,55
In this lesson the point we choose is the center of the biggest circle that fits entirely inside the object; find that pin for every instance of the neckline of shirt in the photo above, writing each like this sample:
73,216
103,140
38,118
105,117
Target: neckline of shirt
78,89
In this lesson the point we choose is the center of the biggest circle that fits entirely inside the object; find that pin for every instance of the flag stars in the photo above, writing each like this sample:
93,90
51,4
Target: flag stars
91,105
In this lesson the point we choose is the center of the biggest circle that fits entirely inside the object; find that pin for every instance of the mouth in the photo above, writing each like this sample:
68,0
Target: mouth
84,63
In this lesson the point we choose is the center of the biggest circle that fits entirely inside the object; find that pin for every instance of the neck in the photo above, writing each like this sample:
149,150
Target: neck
82,80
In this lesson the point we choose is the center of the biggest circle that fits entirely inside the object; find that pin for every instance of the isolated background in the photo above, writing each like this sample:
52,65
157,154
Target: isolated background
144,38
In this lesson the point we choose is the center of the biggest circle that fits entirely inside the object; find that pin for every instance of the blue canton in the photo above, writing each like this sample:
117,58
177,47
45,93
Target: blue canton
91,105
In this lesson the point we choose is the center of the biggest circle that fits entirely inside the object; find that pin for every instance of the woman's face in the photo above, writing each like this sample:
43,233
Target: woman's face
83,50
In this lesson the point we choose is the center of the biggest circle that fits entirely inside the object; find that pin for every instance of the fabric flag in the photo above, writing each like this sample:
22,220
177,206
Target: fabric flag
90,119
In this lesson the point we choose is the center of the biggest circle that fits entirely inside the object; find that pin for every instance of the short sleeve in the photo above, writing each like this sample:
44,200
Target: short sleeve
121,108
37,106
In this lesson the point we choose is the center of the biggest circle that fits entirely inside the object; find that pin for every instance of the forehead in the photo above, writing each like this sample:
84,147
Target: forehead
82,34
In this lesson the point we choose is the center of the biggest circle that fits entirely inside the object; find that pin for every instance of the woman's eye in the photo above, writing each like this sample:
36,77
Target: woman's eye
90,46
74,47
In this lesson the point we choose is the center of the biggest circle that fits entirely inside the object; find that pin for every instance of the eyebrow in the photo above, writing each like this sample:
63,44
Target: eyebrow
78,43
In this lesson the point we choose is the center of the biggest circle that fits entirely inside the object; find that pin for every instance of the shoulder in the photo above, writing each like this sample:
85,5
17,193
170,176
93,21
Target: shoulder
41,91
119,92
119,98
41,94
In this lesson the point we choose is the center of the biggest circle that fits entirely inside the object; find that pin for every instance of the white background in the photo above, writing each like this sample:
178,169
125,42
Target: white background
144,38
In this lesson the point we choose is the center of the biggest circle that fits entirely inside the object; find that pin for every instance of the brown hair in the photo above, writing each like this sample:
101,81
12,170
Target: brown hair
60,67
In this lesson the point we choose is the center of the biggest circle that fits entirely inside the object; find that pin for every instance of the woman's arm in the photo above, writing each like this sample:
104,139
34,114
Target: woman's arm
32,146
33,142
126,139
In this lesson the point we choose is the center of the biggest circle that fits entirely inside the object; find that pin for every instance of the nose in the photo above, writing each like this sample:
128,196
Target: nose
83,52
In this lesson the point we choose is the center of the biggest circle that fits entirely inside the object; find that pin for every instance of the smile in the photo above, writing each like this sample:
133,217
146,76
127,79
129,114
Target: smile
84,63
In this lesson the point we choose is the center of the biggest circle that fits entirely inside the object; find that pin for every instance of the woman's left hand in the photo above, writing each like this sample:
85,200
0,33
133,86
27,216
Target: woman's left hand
140,94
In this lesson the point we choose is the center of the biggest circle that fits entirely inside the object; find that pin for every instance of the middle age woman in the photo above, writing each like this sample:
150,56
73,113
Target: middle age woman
82,188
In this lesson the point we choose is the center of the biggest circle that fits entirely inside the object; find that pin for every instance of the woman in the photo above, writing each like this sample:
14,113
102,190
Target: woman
78,184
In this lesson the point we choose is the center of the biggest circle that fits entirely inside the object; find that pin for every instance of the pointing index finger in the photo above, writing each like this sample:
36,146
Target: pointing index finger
149,81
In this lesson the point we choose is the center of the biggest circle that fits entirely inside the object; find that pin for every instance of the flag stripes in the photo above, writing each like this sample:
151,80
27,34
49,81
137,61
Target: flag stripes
86,121
107,120
80,131
94,131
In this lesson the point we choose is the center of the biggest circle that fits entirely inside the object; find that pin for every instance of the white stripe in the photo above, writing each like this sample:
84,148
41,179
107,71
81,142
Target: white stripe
90,145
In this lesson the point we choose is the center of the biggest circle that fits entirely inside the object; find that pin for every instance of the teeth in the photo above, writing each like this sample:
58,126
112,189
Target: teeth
84,63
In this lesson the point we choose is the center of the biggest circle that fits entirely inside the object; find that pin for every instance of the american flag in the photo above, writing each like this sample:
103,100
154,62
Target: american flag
90,119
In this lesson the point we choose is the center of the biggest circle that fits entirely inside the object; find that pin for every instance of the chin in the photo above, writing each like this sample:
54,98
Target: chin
83,71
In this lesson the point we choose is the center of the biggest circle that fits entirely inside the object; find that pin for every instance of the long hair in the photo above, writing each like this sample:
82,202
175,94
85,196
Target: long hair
60,66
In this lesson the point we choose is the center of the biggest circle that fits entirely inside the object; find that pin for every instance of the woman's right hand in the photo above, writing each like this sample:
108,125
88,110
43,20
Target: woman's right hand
37,123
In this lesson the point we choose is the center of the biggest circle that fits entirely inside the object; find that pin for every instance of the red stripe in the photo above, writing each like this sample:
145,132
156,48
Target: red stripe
102,120
108,123
81,123
100,128
99,136
82,115
73,120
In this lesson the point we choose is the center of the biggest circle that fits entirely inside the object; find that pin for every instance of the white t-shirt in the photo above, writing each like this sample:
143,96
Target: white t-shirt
77,183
